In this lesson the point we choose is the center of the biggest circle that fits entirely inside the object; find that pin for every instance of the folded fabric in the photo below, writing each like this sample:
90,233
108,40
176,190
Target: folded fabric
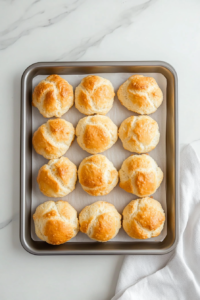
175,275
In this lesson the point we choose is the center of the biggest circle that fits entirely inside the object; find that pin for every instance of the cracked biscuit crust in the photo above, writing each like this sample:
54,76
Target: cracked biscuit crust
143,218
53,138
95,134
140,94
140,175
94,95
100,221
97,175
139,134
56,222
53,96
57,178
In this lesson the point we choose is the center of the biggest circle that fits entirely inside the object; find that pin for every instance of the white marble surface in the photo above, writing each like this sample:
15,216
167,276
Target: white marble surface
41,30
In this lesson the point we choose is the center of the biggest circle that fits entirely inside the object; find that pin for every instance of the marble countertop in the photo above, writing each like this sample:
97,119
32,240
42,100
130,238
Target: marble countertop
82,30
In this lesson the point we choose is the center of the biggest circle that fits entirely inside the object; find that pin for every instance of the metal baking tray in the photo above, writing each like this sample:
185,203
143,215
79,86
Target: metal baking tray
172,164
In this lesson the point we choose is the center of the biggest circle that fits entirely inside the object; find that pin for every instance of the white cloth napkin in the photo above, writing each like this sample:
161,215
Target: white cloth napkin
176,275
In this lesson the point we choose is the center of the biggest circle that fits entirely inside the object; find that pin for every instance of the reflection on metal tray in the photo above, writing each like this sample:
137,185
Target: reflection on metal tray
171,173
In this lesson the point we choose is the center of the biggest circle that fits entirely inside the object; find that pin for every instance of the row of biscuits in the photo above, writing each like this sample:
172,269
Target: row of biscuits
95,95
57,222
95,134
139,175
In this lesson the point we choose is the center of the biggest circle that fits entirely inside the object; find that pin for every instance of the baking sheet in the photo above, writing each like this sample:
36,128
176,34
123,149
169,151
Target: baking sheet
117,154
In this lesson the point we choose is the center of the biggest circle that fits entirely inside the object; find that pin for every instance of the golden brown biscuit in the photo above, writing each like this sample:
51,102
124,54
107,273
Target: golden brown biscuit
100,221
53,138
57,178
53,96
140,94
143,218
56,222
94,95
140,175
97,175
139,134
96,134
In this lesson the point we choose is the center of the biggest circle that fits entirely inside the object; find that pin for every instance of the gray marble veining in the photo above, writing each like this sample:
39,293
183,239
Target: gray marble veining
8,221
126,18
34,17
5,223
